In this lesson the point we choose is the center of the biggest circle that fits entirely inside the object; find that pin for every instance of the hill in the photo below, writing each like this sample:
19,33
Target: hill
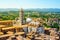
36,9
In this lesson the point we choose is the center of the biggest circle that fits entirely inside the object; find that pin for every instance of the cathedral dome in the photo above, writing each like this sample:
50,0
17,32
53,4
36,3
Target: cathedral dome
28,20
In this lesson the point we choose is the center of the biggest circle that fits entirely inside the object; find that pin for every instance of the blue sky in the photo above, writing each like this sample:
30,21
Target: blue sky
29,3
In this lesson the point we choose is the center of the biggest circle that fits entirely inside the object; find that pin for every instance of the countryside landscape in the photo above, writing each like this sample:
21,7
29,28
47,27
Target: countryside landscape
29,19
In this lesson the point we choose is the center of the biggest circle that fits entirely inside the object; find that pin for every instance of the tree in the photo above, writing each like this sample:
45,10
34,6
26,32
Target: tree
55,25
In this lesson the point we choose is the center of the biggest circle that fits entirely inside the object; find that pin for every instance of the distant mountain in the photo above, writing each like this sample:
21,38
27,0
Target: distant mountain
36,9
9,9
44,10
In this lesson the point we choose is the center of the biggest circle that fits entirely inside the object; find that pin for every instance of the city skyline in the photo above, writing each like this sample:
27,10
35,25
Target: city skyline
29,4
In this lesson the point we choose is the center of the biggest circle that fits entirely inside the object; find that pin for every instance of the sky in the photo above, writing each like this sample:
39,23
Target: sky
29,3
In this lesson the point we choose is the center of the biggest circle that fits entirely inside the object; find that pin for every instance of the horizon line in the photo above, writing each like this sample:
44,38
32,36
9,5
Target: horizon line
30,8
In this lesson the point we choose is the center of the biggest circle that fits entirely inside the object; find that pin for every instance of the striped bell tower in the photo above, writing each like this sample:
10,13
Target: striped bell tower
21,16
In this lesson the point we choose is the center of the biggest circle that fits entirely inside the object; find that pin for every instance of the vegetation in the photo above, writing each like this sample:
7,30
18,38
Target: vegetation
11,15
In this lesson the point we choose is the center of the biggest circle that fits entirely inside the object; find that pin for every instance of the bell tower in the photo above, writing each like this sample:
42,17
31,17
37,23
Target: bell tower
21,16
